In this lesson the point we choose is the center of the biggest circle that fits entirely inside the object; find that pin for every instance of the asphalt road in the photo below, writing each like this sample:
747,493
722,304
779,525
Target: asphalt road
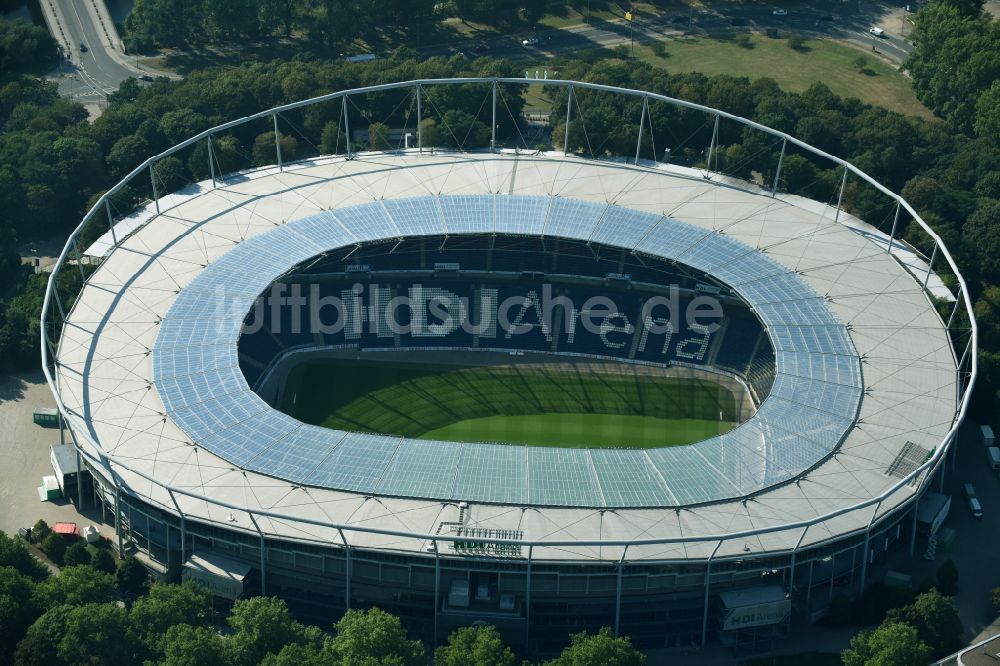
93,73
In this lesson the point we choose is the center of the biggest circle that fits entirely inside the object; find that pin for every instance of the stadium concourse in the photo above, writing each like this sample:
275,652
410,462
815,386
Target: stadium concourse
444,533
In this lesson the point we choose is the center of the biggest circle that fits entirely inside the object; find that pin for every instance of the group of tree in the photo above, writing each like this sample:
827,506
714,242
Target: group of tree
956,64
85,615
926,629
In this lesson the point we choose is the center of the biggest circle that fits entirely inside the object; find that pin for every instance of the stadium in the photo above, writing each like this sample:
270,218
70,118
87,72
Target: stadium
545,390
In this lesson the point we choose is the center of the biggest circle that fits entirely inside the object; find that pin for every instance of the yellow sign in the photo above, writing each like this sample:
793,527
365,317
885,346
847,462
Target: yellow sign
628,16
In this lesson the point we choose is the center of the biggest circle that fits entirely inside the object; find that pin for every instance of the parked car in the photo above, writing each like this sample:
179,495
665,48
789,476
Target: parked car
878,32
780,12
530,41
975,507
826,17
145,77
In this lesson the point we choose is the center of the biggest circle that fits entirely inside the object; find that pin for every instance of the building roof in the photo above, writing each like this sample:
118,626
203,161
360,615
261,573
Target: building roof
908,368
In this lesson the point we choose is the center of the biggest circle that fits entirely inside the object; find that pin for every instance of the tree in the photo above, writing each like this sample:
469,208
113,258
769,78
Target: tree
54,546
987,123
40,645
373,636
170,175
430,133
77,555
600,649
97,634
936,620
17,609
104,561
128,153
947,573
131,577
995,597
14,554
167,605
184,645
332,139
474,646
40,531
861,64
264,152
956,58
970,8
889,645
378,137
76,586
262,626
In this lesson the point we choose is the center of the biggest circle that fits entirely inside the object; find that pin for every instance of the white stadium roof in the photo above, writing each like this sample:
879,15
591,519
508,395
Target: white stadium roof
110,379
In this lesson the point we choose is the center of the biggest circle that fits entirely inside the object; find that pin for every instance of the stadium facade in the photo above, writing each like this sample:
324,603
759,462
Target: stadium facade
858,357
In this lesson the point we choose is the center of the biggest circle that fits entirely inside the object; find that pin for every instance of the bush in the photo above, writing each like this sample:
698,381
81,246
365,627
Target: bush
104,561
54,546
40,531
743,41
659,49
132,577
77,555
797,43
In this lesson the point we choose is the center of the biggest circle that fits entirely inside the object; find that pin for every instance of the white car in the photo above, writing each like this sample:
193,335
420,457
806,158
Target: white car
780,12
878,32
530,41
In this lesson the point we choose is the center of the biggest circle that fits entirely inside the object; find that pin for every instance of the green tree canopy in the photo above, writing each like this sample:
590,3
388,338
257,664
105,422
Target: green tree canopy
936,620
76,586
474,646
184,645
600,649
889,645
373,637
262,626
956,59
167,605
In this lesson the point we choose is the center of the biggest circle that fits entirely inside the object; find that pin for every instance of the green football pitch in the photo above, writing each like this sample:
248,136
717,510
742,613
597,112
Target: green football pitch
561,404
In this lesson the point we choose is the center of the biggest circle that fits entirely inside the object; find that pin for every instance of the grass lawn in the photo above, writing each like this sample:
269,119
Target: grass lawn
592,430
562,404
824,60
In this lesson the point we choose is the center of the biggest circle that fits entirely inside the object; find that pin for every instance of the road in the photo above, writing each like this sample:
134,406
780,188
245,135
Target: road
91,71
847,23
94,73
